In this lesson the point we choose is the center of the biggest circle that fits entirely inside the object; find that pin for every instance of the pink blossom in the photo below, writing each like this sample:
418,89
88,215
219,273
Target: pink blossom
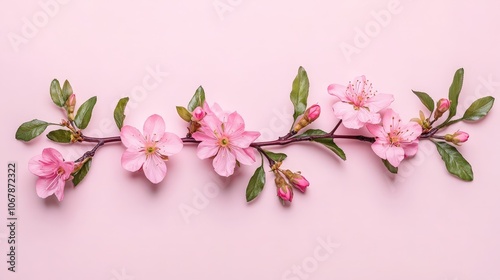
52,172
358,104
285,193
457,138
312,113
223,135
297,180
198,114
149,150
443,105
393,140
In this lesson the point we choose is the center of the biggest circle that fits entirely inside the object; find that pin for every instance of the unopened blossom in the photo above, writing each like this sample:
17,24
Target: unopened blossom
358,103
393,140
223,137
149,150
442,106
297,180
52,172
457,138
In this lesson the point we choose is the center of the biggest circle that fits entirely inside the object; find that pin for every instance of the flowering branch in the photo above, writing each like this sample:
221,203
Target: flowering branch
221,136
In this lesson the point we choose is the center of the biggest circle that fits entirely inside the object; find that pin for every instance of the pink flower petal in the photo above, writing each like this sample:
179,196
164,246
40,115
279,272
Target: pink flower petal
211,124
376,130
379,101
390,120
244,139
242,156
52,155
207,149
204,134
133,160
410,149
154,128
42,168
155,169
224,162
395,155
59,192
338,91
169,144
234,124
380,149
411,131
68,167
46,187
132,138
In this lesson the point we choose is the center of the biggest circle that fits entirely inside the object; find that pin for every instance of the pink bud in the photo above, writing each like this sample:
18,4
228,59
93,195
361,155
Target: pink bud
312,113
198,114
457,138
286,193
300,182
443,105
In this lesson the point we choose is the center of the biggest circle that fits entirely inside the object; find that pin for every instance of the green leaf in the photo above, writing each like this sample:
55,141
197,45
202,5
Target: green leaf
426,100
390,167
184,113
197,100
60,136
29,130
479,109
278,157
84,113
67,90
119,113
455,162
454,92
332,146
56,93
311,132
300,92
256,184
80,174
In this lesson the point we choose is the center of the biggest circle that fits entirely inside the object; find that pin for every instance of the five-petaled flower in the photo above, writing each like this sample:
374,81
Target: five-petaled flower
358,104
149,150
223,137
393,140
52,172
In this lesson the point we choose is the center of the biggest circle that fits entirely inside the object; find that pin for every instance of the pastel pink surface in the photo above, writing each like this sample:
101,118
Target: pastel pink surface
421,224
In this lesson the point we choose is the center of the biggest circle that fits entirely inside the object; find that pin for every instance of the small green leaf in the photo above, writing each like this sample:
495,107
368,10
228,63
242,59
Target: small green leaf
29,130
84,113
67,90
479,109
197,100
278,157
311,132
332,146
80,174
60,136
56,93
300,92
454,92
426,100
256,184
390,167
184,113
454,161
119,113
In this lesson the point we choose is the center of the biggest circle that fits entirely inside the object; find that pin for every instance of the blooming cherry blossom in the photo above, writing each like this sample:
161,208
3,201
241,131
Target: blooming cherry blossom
358,104
149,150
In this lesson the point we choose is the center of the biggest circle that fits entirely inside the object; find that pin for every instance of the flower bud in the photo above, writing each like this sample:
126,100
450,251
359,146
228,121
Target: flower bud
70,106
198,114
311,114
442,106
285,191
457,138
297,180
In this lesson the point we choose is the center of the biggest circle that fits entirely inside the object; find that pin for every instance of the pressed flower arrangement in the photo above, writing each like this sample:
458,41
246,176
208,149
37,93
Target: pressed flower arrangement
221,136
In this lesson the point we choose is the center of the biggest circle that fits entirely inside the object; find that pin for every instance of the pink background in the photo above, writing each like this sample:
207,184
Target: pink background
422,224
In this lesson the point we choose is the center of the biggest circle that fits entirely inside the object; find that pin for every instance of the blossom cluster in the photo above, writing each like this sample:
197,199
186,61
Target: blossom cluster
221,136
